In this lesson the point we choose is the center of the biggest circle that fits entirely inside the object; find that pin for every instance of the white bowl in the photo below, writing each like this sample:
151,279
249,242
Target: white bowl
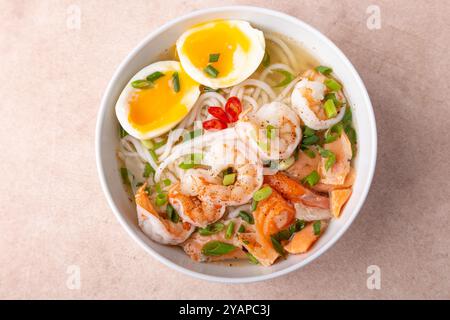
267,20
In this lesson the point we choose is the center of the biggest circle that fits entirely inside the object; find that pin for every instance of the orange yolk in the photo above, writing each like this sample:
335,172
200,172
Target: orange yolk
221,38
159,106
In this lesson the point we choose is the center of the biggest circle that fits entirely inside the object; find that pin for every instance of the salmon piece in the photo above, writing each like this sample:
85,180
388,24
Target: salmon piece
342,148
338,198
271,216
261,250
303,240
303,166
296,192
348,183
193,246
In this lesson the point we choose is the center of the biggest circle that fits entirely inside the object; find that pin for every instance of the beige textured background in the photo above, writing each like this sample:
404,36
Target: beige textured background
53,213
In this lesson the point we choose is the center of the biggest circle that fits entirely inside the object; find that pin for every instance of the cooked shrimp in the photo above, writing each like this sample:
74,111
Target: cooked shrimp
284,135
193,246
249,178
155,225
192,209
295,192
271,216
342,149
307,99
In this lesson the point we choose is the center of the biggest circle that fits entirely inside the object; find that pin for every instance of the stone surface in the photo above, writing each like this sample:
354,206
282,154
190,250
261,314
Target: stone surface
53,213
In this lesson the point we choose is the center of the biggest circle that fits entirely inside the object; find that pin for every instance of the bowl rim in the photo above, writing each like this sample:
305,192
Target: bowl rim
250,9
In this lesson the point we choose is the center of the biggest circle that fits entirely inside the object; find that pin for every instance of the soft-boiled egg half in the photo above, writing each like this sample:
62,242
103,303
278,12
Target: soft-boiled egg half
221,53
156,99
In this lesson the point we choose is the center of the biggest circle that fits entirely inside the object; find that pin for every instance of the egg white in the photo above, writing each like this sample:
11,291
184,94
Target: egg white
123,107
244,63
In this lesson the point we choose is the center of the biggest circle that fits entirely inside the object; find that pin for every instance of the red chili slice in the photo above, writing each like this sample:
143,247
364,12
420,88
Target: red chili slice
214,124
233,108
218,113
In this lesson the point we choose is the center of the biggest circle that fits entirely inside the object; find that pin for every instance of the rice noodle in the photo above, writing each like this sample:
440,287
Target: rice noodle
141,151
269,70
256,83
285,49
194,146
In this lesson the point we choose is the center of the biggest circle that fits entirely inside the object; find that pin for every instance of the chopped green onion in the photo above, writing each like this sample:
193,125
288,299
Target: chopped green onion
186,165
317,226
211,229
211,71
157,145
209,89
248,217
311,154
332,96
122,132
330,156
141,84
148,170
161,199
155,76
324,70
192,134
153,154
347,116
214,57
158,188
296,153
312,179
308,132
283,235
266,60
241,229
329,137
288,77
176,82
230,230
331,160
251,258
124,175
148,144
277,245
351,134
286,163
217,248
229,179
310,140
297,226
332,84
245,242
167,182
175,217
330,109
262,193
269,131
170,211
254,205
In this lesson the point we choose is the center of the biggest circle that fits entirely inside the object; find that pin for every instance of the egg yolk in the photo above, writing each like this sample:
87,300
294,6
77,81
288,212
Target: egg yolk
159,106
221,38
